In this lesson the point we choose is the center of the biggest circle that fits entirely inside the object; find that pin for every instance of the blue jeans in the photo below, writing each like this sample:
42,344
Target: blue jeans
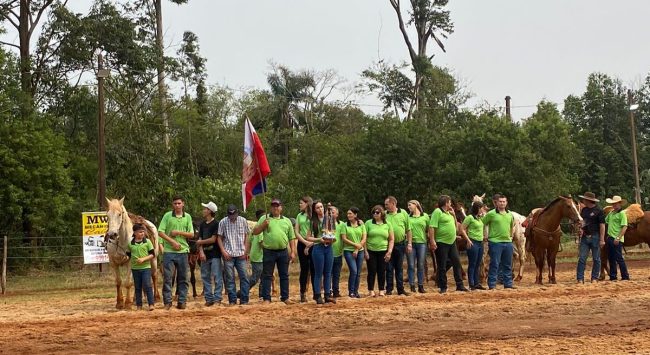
323,260
354,265
475,262
212,270
230,266
273,258
589,243
500,257
256,277
180,262
142,281
396,267
419,254
615,256
336,274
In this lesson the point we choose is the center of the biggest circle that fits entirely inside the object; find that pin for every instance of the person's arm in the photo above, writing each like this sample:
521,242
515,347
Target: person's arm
602,234
163,235
261,226
364,237
296,231
247,246
293,243
310,237
465,232
391,244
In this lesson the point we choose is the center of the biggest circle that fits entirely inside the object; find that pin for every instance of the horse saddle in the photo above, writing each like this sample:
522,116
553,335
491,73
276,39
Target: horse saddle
531,222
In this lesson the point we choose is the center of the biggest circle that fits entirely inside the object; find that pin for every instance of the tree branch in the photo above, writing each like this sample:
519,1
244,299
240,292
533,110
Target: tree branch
15,24
10,44
38,16
402,28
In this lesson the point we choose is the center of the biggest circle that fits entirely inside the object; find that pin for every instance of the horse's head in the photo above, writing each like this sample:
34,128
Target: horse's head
478,198
459,210
115,211
572,212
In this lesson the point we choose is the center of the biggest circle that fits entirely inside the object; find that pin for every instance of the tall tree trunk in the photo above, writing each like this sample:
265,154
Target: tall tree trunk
25,58
162,92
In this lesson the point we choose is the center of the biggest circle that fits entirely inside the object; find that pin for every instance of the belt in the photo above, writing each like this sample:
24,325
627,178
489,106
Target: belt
275,249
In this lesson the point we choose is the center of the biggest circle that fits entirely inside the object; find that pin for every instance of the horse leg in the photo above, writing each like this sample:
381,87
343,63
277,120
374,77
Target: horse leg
154,280
604,268
192,265
539,263
128,300
551,265
119,302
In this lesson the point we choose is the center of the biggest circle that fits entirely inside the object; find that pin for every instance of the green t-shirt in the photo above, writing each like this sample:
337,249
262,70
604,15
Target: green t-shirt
400,222
354,234
140,250
474,228
615,222
419,228
445,225
304,223
171,222
500,225
256,253
278,234
377,238
337,247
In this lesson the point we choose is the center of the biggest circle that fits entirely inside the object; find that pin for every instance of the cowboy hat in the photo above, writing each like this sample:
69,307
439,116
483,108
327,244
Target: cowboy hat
616,199
590,196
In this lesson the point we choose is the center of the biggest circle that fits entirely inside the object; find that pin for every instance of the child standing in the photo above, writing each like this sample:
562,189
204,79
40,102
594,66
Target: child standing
141,252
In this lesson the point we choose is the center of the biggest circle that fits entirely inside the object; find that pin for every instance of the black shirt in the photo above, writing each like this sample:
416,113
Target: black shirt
207,230
592,217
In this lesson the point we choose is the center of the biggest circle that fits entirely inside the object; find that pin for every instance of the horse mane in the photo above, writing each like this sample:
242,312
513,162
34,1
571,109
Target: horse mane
552,203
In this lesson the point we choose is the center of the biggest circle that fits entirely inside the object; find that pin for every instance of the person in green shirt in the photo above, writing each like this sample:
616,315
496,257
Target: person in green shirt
616,222
303,223
418,221
174,229
255,254
337,252
141,253
399,219
379,248
277,237
322,234
442,240
354,238
501,224
473,227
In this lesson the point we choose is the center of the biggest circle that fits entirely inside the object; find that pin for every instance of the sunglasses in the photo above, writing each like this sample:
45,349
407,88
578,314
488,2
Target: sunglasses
377,212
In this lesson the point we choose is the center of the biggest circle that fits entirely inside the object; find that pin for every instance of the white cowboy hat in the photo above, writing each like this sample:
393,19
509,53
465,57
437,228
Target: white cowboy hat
616,199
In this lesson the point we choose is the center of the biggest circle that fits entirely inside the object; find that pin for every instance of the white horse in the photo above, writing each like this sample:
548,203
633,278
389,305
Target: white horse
518,243
118,237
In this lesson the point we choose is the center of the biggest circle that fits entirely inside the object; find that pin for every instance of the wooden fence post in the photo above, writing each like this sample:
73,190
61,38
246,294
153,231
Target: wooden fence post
4,266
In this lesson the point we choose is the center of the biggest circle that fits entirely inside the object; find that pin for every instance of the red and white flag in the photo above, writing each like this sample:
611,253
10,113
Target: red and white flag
256,167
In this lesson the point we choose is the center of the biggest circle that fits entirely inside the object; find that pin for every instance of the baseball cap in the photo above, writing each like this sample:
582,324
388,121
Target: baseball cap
211,206
232,209
276,201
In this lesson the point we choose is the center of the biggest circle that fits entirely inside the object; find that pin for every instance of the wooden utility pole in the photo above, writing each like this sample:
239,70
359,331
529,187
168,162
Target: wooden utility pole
3,281
508,107
637,187
101,140
162,91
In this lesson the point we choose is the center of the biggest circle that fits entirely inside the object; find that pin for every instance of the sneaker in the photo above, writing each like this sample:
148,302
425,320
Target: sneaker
388,293
442,291
462,289
330,300
403,293
168,306
151,307
209,304
413,288
580,281
181,306
337,294
288,302
319,300
356,295
421,289
303,298
510,287
479,287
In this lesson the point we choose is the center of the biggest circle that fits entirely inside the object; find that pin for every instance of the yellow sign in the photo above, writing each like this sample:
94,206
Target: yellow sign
94,223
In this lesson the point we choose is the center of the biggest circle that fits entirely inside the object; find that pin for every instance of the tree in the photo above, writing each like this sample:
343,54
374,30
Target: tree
431,21
391,85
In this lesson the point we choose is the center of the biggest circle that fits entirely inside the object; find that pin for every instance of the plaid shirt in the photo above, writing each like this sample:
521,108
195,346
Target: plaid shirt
233,235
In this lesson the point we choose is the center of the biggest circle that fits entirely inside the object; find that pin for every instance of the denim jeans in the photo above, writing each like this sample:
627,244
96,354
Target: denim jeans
336,274
142,281
589,243
615,256
231,286
180,262
273,258
395,268
212,270
419,255
256,277
323,260
354,265
500,257
474,263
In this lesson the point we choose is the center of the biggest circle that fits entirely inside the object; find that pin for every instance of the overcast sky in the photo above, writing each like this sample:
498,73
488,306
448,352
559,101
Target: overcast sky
529,50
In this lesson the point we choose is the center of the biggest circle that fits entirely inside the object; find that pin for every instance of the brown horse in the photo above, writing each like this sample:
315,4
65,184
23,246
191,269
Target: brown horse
634,235
544,233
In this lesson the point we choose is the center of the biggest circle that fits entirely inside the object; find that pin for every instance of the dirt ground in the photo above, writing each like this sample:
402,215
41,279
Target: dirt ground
605,317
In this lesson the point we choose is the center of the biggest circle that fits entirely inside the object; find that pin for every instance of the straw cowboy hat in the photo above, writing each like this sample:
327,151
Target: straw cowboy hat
616,199
589,196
